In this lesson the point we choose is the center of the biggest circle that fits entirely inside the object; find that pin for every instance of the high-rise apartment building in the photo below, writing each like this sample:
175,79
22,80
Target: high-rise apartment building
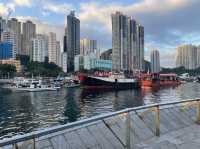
140,49
58,53
198,56
88,46
119,41
187,56
29,32
6,51
155,61
52,48
64,61
2,26
9,36
38,48
72,39
15,26
127,43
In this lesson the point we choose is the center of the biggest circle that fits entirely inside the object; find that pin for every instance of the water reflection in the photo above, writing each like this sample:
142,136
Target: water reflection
71,110
16,115
25,112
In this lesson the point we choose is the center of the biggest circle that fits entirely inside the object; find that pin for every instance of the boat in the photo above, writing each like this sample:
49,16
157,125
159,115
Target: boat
71,85
115,81
32,85
71,82
30,89
186,77
169,79
158,80
150,80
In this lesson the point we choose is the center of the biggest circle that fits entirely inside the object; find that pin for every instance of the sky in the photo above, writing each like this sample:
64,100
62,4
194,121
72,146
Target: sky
167,23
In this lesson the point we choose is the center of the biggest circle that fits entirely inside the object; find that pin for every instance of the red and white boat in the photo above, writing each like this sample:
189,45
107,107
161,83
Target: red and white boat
113,81
169,79
159,80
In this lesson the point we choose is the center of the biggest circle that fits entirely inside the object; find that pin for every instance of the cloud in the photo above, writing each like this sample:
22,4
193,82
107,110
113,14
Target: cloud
5,8
25,18
27,3
44,27
168,23
56,8
96,12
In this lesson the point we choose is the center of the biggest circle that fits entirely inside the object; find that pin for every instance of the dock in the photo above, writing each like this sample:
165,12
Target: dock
171,125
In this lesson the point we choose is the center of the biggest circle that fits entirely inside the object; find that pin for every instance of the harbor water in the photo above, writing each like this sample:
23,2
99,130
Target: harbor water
28,111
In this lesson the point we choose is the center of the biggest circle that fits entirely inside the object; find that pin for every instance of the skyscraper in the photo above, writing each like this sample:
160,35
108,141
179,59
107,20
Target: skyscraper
15,26
2,26
29,32
198,56
52,49
72,39
119,41
6,51
187,56
58,53
155,61
127,43
132,53
140,49
88,46
64,61
9,36
38,48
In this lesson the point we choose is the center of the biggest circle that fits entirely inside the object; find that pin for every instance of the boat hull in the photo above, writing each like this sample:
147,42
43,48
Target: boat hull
149,83
170,83
96,83
14,89
160,83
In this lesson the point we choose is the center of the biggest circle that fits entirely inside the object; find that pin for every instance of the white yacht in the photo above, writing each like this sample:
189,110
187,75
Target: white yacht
31,85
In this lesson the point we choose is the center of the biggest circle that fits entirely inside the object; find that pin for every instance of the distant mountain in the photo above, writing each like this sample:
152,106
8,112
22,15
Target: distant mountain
106,55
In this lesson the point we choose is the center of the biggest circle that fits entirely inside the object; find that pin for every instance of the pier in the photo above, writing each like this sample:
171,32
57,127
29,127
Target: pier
157,126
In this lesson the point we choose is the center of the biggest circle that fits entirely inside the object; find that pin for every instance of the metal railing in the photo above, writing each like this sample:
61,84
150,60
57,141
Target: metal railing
126,112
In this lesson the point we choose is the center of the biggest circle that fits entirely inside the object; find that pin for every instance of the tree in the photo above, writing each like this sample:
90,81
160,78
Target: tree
181,70
43,69
7,69
24,59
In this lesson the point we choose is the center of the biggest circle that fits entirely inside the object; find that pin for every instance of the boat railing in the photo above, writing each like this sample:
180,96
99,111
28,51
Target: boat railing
33,138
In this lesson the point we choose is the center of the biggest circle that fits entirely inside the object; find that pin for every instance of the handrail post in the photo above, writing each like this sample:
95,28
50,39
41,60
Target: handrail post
15,146
157,120
34,146
198,112
128,131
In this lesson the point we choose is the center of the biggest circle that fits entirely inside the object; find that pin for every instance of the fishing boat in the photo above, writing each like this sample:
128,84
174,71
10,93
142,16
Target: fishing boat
159,80
169,79
116,81
150,80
